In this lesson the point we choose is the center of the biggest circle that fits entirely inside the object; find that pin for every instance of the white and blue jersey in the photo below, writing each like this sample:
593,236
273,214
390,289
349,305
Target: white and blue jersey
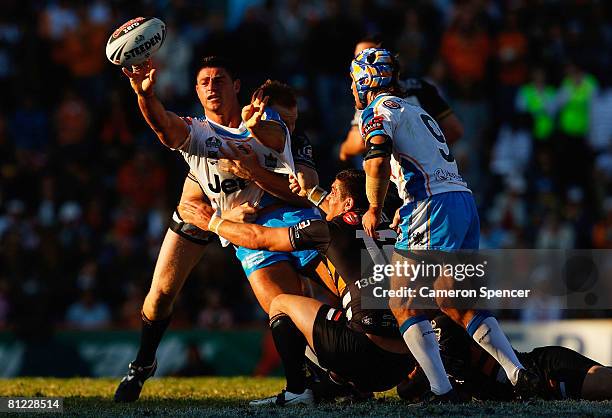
439,210
201,150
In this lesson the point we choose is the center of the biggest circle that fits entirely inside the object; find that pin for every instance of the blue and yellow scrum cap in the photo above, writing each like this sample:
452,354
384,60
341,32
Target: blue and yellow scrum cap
371,69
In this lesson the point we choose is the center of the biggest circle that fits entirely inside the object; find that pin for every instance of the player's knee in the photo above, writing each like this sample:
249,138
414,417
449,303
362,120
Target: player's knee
277,306
159,300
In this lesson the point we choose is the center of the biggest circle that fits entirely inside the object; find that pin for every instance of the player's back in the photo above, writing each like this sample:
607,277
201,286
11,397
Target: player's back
422,164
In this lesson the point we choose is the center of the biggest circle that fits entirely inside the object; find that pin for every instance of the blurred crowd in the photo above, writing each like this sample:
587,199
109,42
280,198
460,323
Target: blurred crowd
87,190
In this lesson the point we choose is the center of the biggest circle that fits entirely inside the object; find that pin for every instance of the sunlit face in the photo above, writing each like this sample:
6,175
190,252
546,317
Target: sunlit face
216,89
358,104
289,115
337,205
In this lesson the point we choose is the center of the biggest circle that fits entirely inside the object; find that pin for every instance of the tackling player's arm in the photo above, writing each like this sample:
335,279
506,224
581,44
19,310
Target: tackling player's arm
353,145
311,234
171,130
451,127
244,163
436,106
377,167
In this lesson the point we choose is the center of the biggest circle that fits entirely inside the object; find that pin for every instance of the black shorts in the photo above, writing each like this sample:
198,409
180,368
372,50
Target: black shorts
562,369
353,356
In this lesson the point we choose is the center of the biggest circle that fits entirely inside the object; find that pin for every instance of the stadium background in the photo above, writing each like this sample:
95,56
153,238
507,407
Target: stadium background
87,190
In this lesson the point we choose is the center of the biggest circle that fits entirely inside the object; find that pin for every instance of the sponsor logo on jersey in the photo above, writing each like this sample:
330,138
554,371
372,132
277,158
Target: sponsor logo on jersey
142,49
271,161
444,175
305,152
227,186
373,125
304,224
391,104
351,218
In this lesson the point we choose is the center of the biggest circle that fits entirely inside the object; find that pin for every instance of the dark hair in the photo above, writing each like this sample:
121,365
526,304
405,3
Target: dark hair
215,61
353,185
279,93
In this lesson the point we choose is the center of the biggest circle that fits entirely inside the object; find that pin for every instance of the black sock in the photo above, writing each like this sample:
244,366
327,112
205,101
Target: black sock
150,336
290,344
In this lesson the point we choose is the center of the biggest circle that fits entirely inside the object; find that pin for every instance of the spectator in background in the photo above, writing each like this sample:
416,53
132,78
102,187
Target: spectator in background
574,102
602,231
141,180
579,217
537,98
88,312
512,150
600,120
509,211
412,46
174,82
214,315
512,60
466,48
555,233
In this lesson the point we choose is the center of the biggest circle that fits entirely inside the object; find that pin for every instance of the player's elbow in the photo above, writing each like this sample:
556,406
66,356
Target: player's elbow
452,128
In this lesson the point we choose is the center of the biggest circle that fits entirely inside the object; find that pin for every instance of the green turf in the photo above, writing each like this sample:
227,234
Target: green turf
171,397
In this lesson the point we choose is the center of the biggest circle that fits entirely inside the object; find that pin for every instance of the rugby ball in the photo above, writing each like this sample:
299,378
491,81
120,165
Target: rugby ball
135,41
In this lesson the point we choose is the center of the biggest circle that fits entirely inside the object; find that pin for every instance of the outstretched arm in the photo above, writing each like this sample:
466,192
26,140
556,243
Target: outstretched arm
169,128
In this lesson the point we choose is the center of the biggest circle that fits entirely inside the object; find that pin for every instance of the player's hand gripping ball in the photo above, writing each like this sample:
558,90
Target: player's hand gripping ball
135,41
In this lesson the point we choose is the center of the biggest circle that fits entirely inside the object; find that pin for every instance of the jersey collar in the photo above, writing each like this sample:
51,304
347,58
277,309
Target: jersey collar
377,100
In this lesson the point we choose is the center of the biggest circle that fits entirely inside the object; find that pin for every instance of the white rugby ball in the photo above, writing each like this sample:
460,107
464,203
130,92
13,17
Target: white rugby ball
135,41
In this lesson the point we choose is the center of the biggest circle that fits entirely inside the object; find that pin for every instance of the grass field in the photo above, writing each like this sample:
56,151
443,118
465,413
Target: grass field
171,397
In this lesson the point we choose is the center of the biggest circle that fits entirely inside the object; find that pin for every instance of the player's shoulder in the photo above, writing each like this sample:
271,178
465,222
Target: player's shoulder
299,138
389,105
196,121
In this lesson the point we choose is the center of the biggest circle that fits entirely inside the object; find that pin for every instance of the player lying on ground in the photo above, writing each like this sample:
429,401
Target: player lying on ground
356,344
566,373
406,144
200,141
418,92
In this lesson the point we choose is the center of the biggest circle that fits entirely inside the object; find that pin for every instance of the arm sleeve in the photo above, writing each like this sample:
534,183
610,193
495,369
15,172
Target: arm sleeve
310,234
432,102
302,150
